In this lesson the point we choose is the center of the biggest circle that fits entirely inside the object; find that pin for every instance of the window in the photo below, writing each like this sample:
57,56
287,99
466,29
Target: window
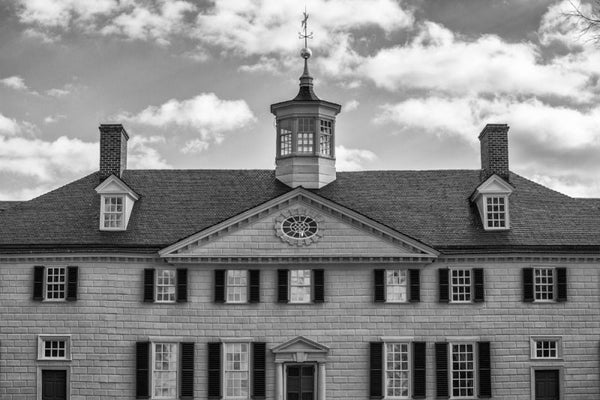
396,286
54,347
544,284
164,370
300,284
165,286
285,135
496,212
236,376
113,212
299,227
463,370
237,286
397,370
461,285
546,347
306,133
325,138
55,283
56,279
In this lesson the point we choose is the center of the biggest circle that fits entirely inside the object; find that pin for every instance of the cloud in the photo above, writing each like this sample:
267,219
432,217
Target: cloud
352,159
62,13
57,92
51,119
141,155
195,146
350,106
8,126
205,114
14,82
436,59
559,24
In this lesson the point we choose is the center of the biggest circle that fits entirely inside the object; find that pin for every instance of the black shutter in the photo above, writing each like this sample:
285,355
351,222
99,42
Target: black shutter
379,285
376,365
72,274
149,285
220,285
142,370
441,370
561,284
187,371
419,370
478,280
214,370
282,286
414,278
444,287
485,376
319,285
38,283
182,285
254,289
528,285
258,370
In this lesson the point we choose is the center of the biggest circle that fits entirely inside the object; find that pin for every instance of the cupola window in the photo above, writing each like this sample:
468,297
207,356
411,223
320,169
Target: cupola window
306,134
285,137
325,138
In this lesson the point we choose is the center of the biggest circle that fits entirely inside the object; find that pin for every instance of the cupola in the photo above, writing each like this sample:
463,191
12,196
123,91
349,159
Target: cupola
305,134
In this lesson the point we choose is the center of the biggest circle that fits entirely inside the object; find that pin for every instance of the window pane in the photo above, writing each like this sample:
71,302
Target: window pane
285,134
237,286
396,282
164,371
546,349
236,370
396,370
461,285
463,370
55,282
113,211
544,283
495,212
165,286
306,134
325,138
300,286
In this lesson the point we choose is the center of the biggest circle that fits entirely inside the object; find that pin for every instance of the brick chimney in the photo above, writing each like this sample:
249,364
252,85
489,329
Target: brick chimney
494,151
113,150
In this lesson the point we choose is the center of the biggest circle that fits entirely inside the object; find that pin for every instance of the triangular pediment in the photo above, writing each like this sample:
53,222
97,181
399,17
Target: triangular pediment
114,185
300,344
493,185
331,231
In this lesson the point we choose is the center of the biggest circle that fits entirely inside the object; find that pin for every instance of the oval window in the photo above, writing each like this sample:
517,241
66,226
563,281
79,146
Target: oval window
299,227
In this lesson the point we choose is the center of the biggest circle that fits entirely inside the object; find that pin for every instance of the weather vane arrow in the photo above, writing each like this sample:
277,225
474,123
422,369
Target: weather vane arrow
305,35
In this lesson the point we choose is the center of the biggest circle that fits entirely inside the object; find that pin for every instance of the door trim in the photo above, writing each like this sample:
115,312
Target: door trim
56,367
546,367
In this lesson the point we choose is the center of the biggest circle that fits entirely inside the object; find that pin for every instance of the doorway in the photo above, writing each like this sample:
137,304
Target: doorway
547,385
300,382
54,384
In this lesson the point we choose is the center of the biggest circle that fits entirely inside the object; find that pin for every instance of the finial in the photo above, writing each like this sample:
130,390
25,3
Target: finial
305,52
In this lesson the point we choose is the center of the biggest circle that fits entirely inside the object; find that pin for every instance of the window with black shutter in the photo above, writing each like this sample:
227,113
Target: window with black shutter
485,376
528,285
319,285
443,285
214,370
254,286
182,285
282,286
419,374
441,370
142,370
379,285
258,370
415,285
561,284
478,285
38,283
220,285
55,283
186,389
149,285
376,370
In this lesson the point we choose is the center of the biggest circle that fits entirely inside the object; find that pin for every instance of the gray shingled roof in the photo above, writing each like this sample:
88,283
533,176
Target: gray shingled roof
430,206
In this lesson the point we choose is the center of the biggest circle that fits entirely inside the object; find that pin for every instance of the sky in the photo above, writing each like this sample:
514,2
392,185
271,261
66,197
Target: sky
192,82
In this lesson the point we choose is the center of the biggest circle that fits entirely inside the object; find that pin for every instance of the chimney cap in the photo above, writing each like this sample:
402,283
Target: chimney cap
493,127
106,128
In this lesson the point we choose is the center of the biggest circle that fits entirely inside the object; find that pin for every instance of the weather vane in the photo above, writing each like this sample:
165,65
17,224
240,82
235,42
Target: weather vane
305,35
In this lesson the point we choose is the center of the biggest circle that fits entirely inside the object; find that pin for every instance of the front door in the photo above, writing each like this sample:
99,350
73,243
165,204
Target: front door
300,382
547,385
54,384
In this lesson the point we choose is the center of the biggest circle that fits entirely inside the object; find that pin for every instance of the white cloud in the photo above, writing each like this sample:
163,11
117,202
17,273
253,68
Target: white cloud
51,119
61,13
195,146
57,92
8,126
559,24
14,82
350,105
206,114
142,156
436,59
352,159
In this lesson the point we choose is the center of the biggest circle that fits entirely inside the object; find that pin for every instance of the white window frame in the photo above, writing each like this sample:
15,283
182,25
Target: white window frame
286,136
292,286
305,137
385,367
158,272
534,340
535,285
104,212
153,344
224,366
325,137
452,285
231,288
405,285
64,283
43,339
506,214
475,369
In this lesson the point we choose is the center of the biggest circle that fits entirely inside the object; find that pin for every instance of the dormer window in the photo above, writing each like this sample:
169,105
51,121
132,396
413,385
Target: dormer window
116,204
496,212
113,213
491,198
